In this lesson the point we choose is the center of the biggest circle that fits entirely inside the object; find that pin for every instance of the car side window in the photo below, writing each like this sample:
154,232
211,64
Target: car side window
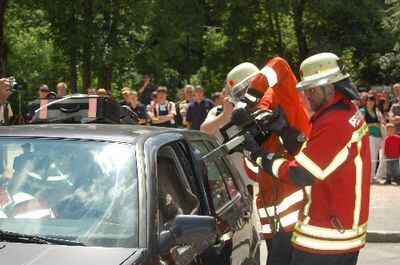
174,194
225,173
219,191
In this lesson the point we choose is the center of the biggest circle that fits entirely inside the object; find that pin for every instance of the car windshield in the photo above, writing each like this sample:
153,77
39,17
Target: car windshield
83,191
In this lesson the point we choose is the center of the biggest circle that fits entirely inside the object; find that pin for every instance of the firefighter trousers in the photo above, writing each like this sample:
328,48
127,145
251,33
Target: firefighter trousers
306,258
279,249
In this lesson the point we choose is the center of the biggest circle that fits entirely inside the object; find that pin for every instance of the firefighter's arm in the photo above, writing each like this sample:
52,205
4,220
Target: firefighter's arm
274,164
292,138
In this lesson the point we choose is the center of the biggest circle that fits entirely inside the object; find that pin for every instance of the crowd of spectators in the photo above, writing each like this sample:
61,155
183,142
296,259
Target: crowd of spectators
154,107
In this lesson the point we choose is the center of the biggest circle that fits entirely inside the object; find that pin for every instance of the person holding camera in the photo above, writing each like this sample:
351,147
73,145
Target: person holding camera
334,167
5,107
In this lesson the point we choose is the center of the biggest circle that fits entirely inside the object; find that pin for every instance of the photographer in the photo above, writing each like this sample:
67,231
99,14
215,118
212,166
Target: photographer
5,108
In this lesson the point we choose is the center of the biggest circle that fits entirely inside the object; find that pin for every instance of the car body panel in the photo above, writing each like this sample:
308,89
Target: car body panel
237,240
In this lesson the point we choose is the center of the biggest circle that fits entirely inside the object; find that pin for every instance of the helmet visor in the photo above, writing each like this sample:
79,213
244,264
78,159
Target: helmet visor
239,91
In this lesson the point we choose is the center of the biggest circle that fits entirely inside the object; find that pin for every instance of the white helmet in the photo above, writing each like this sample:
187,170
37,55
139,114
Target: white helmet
321,69
239,79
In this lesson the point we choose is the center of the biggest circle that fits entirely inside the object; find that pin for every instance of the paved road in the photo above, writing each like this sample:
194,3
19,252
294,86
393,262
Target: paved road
385,208
380,254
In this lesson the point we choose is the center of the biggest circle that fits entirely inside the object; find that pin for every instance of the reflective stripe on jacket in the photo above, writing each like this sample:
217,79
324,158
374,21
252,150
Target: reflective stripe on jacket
279,204
337,156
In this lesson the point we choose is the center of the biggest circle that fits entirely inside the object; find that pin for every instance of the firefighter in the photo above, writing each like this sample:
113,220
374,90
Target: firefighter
278,203
334,164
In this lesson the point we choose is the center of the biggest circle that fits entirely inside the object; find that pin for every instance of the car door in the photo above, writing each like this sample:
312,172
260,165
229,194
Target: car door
232,206
177,195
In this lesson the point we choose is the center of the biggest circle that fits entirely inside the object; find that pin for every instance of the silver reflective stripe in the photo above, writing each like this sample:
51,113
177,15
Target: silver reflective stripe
266,229
290,218
271,75
327,244
329,233
276,165
251,166
358,189
314,169
289,201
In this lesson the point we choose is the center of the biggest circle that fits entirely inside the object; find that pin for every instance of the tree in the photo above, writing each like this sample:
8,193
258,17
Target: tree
3,45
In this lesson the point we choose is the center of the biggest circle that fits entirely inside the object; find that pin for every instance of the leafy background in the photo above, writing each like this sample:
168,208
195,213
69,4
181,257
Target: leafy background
112,43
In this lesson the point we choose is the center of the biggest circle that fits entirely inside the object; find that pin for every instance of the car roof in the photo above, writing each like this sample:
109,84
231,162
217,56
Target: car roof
92,131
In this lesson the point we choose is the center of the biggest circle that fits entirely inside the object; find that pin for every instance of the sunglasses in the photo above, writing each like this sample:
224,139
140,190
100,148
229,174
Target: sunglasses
43,90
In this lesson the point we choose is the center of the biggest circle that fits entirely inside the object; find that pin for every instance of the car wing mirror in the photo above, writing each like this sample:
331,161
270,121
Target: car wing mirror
189,230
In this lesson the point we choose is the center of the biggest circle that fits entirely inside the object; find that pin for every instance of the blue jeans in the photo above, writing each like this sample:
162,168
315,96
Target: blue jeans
392,170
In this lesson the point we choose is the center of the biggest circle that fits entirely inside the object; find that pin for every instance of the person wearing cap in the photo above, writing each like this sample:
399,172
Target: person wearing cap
333,164
198,109
125,96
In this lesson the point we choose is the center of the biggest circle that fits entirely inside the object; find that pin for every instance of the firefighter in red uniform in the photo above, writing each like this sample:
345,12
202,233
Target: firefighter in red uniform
333,164
278,203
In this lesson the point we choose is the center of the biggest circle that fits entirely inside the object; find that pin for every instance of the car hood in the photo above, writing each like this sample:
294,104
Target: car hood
35,254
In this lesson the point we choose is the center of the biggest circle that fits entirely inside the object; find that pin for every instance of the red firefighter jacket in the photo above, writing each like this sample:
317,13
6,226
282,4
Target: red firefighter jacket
279,203
337,157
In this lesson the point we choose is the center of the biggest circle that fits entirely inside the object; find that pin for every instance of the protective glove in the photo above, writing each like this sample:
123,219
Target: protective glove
253,151
277,122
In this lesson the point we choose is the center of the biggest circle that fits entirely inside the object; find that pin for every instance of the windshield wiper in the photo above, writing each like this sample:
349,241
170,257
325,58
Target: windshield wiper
17,237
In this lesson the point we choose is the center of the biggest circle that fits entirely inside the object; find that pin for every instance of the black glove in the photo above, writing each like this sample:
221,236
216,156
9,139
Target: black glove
255,153
277,122
240,117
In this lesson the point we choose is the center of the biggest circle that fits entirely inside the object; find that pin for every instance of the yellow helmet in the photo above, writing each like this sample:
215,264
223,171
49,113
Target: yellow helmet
239,78
321,69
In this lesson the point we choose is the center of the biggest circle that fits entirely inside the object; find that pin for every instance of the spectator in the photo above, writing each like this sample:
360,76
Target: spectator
198,109
180,103
373,118
189,89
217,98
394,111
137,107
101,92
125,96
43,92
91,91
396,92
392,152
62,90
149,107
164,111
146,89
383,107
5,108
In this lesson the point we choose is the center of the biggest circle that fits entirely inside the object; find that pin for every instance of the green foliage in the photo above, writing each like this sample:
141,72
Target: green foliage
176,41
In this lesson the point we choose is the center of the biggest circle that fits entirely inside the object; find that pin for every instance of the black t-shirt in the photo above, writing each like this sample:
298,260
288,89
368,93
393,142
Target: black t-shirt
145,96
197,112
140,110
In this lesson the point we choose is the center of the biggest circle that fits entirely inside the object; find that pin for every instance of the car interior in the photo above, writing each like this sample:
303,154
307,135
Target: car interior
175,196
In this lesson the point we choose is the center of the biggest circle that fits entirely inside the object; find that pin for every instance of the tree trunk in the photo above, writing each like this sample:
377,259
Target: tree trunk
279,43
72,48
3,45
298,6
87,46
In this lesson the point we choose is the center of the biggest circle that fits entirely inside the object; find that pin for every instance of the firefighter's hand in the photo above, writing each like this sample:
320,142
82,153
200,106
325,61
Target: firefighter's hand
240,117
251,149
274,121
256,154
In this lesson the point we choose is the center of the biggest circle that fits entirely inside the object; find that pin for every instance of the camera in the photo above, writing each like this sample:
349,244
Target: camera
14,85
